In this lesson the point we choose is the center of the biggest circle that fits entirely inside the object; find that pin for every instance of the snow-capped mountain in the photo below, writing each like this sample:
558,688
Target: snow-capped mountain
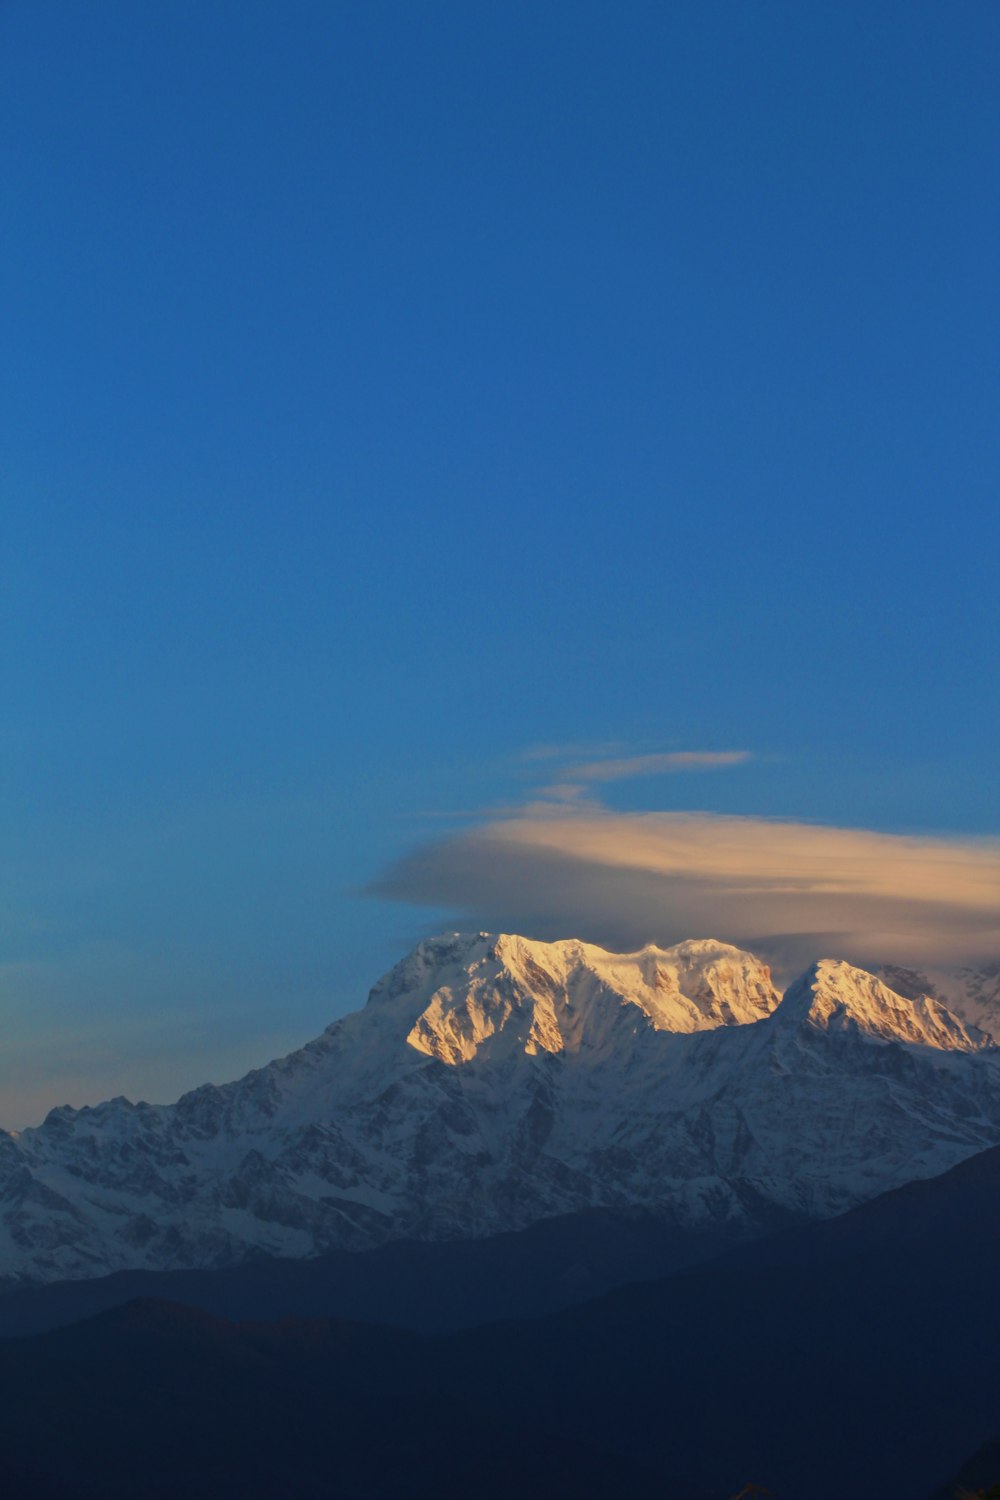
836,996
971,992
491,1082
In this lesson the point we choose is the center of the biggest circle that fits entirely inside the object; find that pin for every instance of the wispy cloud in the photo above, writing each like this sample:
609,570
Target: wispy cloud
622,879
666,764
573,780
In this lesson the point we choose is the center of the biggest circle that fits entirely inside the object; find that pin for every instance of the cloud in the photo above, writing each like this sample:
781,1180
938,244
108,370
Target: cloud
573,780
795,890
656,765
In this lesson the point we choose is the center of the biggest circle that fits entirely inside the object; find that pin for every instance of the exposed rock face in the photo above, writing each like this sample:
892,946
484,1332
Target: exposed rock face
493,1081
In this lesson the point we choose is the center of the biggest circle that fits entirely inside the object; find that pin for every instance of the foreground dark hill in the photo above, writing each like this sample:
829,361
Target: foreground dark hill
158,1402
873,1376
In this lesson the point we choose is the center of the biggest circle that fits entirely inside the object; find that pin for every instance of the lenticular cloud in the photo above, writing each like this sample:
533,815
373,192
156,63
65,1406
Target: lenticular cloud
623,879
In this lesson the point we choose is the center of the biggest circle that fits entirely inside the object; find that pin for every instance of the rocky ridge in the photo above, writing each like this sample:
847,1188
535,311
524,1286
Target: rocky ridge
491,1082
971,991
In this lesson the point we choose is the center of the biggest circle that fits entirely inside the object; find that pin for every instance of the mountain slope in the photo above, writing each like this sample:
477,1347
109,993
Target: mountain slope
834,995
972,992
491,1082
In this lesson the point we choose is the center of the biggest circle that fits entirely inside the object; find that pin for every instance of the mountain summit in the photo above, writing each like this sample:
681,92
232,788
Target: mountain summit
494,1081
489,995
835,996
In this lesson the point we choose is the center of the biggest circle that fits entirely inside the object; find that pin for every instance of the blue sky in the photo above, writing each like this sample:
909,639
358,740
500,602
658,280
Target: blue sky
391,389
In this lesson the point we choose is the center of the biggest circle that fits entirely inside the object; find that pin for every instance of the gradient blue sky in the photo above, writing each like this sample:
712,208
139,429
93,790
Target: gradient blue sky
389,389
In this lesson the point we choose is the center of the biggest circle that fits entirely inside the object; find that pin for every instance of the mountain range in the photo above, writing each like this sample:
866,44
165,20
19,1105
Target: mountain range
492,1083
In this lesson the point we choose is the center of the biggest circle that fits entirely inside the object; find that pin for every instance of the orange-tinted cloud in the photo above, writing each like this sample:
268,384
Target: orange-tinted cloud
623,879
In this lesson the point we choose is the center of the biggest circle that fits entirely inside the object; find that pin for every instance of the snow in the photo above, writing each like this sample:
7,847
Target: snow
833,994
491,1081
970,992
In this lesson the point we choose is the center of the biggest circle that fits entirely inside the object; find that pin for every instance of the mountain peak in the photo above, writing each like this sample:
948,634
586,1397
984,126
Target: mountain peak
461,993
833,995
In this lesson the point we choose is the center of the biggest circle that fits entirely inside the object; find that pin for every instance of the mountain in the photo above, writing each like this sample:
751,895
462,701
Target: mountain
493,1082
972,992
836,996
